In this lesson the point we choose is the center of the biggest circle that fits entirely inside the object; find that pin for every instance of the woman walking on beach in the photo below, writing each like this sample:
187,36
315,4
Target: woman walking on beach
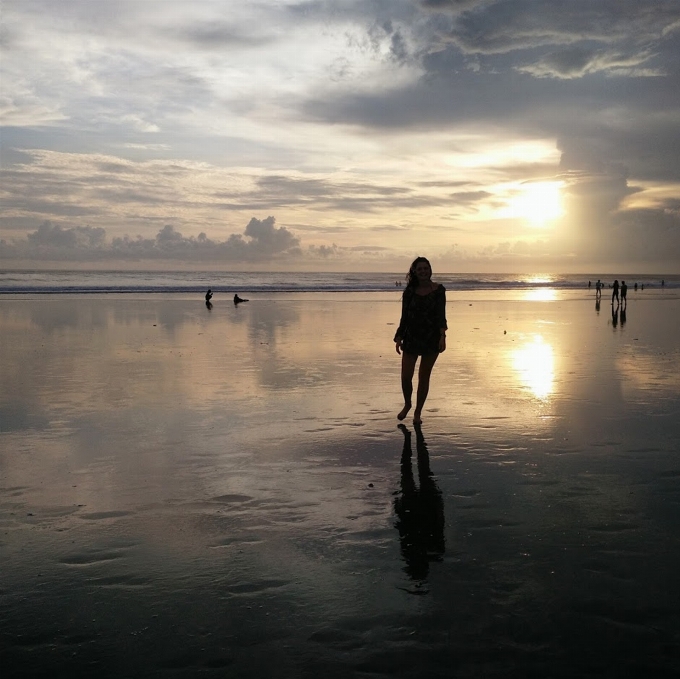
421,332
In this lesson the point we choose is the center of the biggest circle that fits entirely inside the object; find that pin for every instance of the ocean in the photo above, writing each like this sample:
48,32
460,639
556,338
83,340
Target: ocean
102,282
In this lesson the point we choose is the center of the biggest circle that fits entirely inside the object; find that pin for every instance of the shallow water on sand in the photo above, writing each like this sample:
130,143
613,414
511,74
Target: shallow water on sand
187,492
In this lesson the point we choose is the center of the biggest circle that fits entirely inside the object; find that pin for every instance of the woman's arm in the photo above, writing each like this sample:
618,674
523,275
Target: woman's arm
401,330
402,321
440,311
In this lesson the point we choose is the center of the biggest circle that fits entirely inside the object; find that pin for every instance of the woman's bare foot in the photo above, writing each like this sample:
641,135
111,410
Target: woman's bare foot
416,418
404,412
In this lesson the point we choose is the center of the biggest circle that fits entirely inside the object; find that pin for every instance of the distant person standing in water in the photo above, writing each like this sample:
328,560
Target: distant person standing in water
421,332
615,291
624,291
598,288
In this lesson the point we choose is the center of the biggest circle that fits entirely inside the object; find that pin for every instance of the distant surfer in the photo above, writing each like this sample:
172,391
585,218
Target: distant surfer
238,300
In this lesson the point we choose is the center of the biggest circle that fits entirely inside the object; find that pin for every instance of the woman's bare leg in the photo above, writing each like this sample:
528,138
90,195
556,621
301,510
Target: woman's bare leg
408,367
426,364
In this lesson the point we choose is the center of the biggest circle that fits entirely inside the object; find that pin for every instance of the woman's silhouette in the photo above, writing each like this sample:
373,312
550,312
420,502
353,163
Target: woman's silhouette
421,332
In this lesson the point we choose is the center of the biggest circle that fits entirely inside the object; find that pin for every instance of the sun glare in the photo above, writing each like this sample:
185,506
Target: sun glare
541,295
535,365
538,203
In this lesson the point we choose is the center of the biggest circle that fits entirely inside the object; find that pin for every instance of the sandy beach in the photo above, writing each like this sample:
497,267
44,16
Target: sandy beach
225,493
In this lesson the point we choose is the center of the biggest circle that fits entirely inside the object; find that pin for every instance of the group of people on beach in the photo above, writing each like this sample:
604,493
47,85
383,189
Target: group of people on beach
209,296
616,289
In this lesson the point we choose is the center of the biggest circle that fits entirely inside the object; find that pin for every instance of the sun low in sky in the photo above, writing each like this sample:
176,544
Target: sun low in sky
539,203
490,135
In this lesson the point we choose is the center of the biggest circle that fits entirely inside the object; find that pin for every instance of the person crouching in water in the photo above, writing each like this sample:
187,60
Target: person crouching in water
421,332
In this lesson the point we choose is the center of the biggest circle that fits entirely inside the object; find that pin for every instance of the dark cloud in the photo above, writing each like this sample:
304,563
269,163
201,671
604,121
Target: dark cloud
219,35
506,26
453,6
262,240
54,236
466,197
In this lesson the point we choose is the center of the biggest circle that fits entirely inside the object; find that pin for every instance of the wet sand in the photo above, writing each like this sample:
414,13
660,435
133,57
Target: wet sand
226,493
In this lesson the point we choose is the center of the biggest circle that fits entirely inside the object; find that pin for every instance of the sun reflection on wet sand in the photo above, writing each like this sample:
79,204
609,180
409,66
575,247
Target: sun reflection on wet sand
535,363
541,295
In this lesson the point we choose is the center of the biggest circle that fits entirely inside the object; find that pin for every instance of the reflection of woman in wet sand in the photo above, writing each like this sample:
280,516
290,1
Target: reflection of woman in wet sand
421,332
419,510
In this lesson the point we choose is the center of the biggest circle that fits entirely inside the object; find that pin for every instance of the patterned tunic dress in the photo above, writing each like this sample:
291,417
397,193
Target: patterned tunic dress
422,319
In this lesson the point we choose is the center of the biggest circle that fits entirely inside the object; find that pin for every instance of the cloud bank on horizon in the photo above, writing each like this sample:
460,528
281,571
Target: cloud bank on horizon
507,135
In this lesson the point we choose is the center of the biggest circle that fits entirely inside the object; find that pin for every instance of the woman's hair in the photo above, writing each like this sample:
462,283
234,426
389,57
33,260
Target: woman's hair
411,278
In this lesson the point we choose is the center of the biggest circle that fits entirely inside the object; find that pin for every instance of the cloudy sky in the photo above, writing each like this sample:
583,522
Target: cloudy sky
511,135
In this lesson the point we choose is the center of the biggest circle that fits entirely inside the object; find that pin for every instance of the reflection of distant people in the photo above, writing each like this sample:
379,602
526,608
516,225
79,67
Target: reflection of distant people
615,292
623,316
624,290
419,510
238,300
208,295
208,304
615,314
598,299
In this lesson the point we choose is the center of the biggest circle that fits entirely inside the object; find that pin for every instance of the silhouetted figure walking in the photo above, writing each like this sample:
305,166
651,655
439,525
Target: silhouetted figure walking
421,333
598,288
615,292
419,510
208,295
624,291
